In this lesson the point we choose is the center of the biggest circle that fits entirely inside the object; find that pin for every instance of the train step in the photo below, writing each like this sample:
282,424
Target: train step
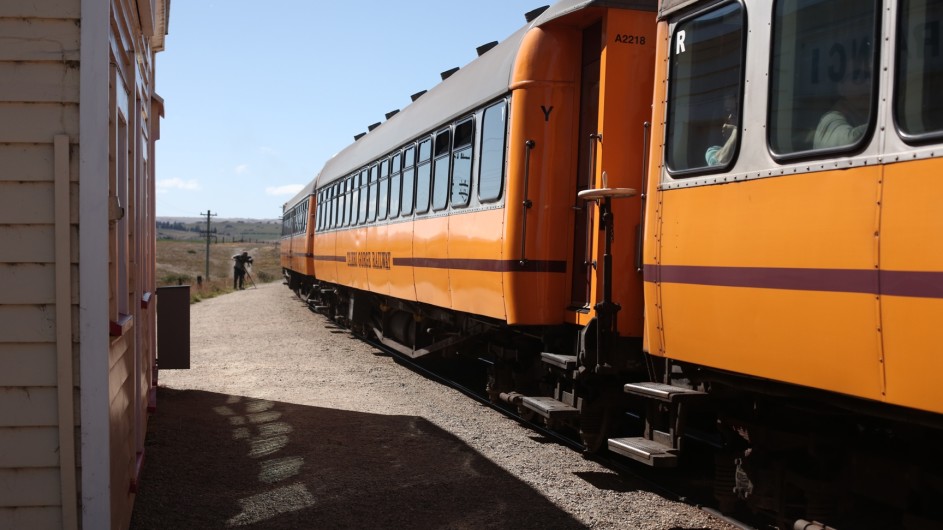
550,408
567,362
663,392
645,451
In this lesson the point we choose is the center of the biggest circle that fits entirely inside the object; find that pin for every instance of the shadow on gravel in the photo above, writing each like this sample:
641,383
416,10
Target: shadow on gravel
219,461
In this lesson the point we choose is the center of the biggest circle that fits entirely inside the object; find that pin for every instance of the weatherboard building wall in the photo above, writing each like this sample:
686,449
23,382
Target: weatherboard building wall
78,124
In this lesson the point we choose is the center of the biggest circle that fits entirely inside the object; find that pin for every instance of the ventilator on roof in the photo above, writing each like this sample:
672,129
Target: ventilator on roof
483,49
531,15
448,73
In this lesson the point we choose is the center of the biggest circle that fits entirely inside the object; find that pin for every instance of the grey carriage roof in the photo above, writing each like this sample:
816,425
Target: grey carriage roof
484,79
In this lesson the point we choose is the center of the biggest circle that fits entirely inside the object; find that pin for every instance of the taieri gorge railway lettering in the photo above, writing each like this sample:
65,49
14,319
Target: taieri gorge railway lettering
675,284
369,260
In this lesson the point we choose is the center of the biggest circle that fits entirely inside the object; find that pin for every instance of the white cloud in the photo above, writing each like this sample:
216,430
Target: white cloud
242,169
290,189
177,184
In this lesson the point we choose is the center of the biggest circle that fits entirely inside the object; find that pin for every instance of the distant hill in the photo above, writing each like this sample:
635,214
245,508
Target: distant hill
221,230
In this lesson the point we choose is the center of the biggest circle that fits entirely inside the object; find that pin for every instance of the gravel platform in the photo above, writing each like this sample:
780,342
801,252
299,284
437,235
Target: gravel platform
286,421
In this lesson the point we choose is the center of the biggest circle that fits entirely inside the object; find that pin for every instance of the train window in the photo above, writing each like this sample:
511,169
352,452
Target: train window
384,197
372,198
440,170
354,199
337,218
321,211
342,219
396,164
344,194
319,215
423,174
326,197
327,209
462,162
705,87
821,87
409,179
351,200
364,194
348,211
337,200
332,219
918,108
342,202
491,166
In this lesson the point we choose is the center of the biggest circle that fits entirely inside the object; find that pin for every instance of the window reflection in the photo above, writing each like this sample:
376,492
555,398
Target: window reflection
918,104
440,176
821,87
462,163
409,179
395,184
491,172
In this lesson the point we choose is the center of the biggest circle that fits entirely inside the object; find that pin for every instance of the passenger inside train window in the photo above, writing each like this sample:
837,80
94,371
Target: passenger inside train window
821,88
847,121
705,86
719,155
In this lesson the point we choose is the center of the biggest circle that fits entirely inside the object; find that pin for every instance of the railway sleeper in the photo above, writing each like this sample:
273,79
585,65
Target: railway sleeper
660,445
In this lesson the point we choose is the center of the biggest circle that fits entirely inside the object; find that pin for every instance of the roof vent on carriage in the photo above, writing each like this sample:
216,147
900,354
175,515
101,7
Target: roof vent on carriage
373,126
483,49
448,73
531,15
359,136
417,95
391,113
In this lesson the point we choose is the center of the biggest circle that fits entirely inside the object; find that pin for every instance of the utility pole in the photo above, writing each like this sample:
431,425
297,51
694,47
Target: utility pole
208,214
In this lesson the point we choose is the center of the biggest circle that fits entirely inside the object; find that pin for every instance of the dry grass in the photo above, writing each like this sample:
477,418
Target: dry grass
184,263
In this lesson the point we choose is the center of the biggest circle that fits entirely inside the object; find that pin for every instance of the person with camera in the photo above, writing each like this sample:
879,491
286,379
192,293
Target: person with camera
239,270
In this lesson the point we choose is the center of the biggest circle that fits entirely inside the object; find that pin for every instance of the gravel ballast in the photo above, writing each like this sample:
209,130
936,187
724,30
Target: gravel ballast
285,420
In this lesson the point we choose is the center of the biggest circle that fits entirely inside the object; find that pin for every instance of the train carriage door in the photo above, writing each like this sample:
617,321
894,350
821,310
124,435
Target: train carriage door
582,269
615,103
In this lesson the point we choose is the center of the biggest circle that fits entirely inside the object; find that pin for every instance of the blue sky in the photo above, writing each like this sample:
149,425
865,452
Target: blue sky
259,96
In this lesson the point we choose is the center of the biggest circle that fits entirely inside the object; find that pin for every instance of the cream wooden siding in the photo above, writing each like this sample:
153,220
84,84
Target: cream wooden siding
131,271
39,96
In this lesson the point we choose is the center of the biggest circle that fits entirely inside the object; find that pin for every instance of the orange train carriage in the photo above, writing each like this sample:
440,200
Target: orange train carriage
792,258
467,200
773,290
297,243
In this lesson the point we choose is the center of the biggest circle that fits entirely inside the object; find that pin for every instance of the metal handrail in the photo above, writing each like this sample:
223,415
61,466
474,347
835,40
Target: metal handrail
528,148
